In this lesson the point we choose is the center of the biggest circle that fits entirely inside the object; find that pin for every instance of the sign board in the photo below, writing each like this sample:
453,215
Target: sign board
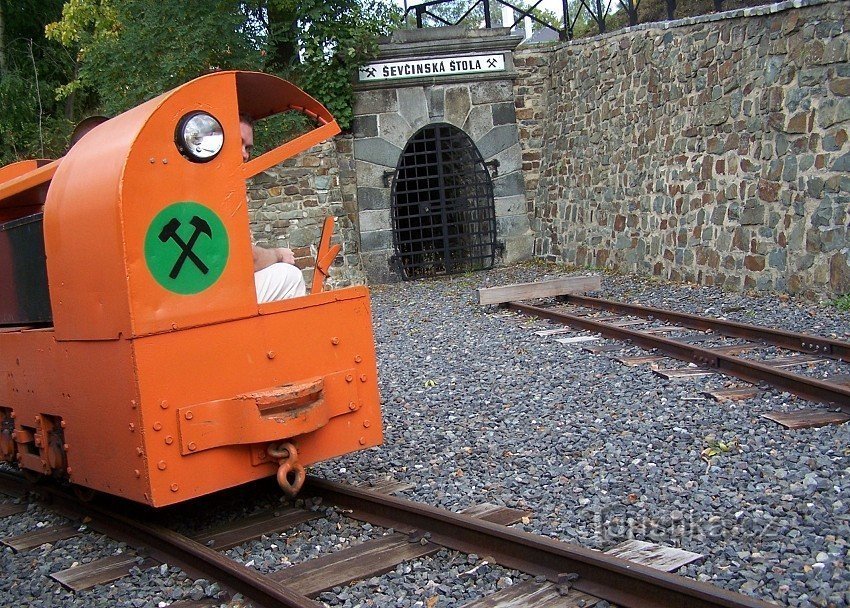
438,66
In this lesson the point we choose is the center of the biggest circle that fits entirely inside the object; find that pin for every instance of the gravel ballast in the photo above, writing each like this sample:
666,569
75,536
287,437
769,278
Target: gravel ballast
477,408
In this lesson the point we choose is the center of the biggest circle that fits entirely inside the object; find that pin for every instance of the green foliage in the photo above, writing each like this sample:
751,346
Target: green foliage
843,302
334,38
133,50
32,122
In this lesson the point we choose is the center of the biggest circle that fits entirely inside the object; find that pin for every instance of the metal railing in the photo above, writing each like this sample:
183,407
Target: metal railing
587,13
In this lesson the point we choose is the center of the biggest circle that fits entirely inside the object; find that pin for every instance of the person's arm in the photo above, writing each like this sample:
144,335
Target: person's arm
263,257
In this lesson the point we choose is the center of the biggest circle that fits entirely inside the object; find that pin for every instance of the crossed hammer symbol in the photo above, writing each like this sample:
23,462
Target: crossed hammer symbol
169,231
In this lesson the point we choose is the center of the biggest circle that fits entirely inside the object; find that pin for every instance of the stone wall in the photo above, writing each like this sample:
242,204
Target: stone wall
712,149
289,202
388,114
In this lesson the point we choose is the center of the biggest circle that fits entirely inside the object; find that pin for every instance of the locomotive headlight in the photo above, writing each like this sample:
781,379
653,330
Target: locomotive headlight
199,137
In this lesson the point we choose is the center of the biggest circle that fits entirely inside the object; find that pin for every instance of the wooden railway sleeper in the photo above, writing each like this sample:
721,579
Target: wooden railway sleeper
287,456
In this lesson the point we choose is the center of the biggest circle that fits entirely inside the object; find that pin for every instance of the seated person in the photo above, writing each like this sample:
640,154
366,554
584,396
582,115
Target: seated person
275,275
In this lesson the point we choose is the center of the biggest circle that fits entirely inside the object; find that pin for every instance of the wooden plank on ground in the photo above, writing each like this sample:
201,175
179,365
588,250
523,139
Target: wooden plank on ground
682,372
655,556
578,339
100,571
794,360
371,558
553,332
735,349
204,603
634,361
6,510
377,556
542,289
253,527
733,394
808,418
531,594
603,348
495,514
387,486
627,322
36,538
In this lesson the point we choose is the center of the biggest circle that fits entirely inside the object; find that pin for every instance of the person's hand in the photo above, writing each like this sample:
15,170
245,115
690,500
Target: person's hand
285,255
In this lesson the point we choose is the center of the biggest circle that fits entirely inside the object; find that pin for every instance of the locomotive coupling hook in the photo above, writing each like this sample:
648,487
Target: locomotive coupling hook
287,456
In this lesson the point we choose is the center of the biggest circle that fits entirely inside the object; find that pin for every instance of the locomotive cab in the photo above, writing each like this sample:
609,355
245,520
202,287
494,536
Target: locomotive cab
154,373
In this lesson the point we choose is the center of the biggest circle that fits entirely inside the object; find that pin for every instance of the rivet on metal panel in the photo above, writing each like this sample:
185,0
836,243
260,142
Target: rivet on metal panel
133,403
363,378
152,160
192,447
140,452
161,465
37,418
362,441
334,340
189,415
352,406
169,440
137,472
163,404
174,487
366,424
63,424
157,426
270,354
14,415
174,326
164,161
358,359
349,378
132,428
65,446
69,470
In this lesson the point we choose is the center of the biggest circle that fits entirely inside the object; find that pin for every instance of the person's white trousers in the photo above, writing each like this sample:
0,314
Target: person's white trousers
278,282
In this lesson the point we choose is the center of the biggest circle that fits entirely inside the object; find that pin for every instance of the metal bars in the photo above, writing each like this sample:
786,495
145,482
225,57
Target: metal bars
443,210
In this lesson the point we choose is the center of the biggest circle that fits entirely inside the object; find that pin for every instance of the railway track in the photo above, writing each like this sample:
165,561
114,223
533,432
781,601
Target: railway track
560,574
711,344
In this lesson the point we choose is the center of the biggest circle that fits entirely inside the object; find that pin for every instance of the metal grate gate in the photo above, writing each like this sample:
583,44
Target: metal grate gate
443,211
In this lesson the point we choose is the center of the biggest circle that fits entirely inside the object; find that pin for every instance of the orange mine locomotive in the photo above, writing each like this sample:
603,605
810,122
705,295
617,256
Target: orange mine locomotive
134,357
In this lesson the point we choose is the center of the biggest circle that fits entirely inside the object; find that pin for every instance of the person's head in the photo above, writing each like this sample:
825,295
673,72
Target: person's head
246,128
83,127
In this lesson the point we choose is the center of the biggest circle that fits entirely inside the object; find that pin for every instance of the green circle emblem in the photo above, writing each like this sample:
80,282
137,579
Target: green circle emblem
186,247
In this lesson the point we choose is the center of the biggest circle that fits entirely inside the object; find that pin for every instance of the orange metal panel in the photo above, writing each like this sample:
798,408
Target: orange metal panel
292,341
23,187
90,385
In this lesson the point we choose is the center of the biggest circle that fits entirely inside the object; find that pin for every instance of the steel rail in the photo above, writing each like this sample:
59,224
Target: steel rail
816,345
185,551
610,578
746,369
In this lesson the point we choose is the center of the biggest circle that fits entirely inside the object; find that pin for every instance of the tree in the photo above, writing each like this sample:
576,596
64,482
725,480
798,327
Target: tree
32,121
132,50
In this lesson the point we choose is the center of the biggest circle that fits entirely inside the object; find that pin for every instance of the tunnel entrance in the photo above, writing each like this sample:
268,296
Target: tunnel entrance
443,210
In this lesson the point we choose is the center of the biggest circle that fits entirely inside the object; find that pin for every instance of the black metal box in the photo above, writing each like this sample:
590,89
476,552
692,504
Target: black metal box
24,295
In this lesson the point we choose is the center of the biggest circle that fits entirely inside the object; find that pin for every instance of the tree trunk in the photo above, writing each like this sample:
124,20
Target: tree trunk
671,9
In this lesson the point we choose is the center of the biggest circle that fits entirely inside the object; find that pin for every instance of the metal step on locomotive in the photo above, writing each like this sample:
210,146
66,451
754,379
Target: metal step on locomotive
134,357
